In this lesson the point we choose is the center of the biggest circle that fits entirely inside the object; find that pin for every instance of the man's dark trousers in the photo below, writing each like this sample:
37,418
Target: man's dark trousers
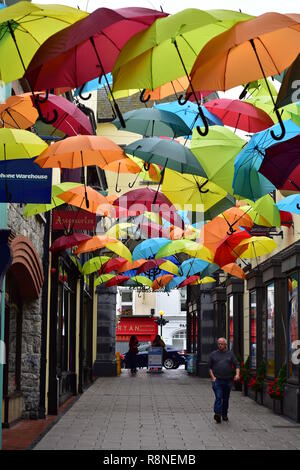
222,388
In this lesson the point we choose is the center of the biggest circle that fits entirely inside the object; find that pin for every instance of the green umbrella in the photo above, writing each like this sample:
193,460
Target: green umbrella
94,264
216,153
151,122
189,247
137,281
264,211
102,279
34,209
167,153
154,57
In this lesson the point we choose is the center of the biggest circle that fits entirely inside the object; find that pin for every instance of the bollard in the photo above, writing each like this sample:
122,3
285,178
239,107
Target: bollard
118,359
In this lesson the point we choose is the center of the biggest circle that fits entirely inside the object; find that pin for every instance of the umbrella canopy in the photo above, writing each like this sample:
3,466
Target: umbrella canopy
217,153
290,204
97,242
68,241
169,267
265,209
102,279
149,265
101,35
97,204
153,54
185,246
69,118
24,27
189,280
260,47
79,151
256,246
139,281
161,281
57,189
150,229
281,164
189,113
18,143
225,252
151,122
167,153
205,280
221,206
240,115
287,93
236,217
94,264
113,264
214,232
117,281
138,201
248,182
149,248
192,266
18,112
131,265
234,270
194,192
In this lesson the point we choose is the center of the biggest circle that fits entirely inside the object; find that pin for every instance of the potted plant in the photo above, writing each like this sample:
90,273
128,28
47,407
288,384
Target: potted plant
256,382
245,374
276,388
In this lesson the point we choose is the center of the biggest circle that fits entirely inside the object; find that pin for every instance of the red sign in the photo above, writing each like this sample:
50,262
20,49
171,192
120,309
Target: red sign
143,327
77,220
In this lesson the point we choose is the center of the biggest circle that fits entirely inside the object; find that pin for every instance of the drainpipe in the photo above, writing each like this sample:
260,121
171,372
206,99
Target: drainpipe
80,379
46,286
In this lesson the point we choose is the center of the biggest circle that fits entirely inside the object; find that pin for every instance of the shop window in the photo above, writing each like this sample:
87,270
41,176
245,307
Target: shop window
253,319
126,310
270,352
292,322
230,323
126,296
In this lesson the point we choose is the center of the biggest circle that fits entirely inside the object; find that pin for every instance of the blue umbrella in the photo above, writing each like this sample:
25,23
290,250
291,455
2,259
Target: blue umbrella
247,182
189,112
149,248
290,204
192,266
175,282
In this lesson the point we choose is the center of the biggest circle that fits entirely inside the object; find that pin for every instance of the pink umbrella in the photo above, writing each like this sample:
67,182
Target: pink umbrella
69,118
240,115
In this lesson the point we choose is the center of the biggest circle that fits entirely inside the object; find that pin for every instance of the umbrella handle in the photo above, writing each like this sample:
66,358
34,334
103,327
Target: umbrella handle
206,127
147,166
230,231
42,100
182,101
85,98
244,92
201,186
283,131
142,96
43,118
120,116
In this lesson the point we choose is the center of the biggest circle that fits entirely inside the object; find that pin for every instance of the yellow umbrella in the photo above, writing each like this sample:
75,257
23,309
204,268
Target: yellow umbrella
257,246
185,246
169,267
205,280
102,279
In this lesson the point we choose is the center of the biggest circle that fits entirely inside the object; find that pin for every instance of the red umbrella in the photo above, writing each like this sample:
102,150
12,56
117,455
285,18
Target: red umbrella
151,264
153,230
240,115
286,219
89,50
225,251
70,119
68,241
141,200
116,281
112,265
189,280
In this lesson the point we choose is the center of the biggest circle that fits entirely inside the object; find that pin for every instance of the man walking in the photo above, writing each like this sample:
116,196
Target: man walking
220,370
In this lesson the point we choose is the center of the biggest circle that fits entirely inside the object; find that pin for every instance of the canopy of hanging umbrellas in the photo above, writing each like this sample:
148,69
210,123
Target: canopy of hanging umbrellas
206,161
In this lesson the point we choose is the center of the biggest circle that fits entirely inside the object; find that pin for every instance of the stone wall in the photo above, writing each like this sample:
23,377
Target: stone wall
34,229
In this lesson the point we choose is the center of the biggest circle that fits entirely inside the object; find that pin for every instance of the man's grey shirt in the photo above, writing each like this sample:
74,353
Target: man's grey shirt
221,363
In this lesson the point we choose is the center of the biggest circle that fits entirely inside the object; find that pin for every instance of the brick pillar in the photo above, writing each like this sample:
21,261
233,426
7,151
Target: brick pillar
105,364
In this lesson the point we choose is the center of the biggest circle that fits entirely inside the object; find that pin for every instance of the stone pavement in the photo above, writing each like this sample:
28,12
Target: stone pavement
167,411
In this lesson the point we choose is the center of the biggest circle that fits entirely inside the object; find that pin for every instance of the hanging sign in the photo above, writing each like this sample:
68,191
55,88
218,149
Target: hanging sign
73,219
23,181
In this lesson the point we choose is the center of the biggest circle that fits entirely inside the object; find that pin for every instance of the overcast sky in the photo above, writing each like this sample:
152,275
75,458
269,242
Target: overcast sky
254,7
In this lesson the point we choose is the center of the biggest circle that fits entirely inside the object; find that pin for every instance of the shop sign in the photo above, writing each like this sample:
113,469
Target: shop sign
73,219
23,181
144,328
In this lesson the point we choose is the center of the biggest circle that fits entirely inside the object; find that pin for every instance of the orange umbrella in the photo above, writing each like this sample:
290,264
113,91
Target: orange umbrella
101,241
131,265
126,165
235,217
79,151
250,50
98,204
234,270
214,232
18,112
168,89
162,281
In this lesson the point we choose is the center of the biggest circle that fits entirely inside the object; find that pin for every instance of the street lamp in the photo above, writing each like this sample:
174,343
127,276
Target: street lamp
161,321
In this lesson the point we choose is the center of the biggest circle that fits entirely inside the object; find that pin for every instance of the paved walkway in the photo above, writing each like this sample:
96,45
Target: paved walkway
167,411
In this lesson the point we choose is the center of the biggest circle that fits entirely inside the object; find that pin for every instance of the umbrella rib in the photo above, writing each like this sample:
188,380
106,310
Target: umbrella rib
266,49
